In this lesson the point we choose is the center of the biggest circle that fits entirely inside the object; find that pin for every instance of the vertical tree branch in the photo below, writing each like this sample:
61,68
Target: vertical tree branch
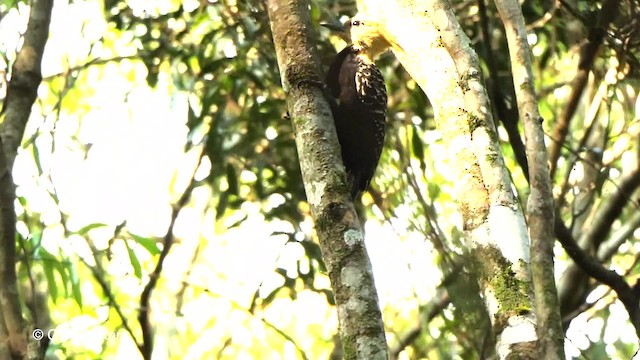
540,203
504,265
436,52
12,329
339,232
21,94
505,110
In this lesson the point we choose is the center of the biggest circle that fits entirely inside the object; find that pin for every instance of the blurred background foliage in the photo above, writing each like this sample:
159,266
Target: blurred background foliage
160,134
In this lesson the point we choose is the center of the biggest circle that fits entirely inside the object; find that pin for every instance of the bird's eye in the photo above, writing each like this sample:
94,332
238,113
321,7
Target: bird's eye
356,23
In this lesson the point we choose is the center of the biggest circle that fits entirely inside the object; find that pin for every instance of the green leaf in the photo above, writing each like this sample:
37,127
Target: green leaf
62,271
22,200
133,259
51,280
75,283
9,4
36,157
150,244
417,148
85,229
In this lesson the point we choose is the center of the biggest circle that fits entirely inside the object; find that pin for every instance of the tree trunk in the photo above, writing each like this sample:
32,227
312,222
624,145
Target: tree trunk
341,237
493,222
540,210
15,341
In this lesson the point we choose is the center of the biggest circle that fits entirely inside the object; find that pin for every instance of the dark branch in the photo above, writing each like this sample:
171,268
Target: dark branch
507,114
629,296
611,209
146,348
97,273
597,33
21,94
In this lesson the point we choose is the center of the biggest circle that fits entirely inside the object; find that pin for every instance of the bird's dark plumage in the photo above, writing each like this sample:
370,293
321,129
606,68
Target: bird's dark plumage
359,111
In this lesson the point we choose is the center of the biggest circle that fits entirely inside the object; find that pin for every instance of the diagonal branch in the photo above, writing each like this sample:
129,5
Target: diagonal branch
98,273
566,320
611,209
628,295
146,348
608,13
428,312
26,75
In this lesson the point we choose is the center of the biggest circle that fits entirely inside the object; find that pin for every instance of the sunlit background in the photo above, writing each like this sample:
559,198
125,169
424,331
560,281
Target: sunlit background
130,117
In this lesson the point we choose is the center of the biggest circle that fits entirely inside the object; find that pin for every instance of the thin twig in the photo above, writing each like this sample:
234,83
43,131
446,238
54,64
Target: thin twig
97,272
92,62
435,306
168,241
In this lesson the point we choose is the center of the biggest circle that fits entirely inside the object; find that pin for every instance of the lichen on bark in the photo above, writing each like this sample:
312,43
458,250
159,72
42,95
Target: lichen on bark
497,277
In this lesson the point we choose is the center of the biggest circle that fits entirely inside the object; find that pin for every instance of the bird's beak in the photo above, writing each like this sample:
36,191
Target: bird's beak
338,27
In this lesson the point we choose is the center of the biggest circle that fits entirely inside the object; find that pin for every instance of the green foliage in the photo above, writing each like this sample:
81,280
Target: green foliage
60,274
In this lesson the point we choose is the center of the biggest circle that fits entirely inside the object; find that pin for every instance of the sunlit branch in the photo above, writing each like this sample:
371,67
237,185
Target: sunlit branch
92,62
583,143
429,311
545,18
97,273
611,246
251,312
597,34
286,336
435,233
167,242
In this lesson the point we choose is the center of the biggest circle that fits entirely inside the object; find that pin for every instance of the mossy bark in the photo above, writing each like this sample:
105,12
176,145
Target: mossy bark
436,52
341,237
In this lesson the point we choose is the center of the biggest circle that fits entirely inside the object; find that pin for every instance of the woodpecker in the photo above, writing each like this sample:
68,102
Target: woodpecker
359,101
